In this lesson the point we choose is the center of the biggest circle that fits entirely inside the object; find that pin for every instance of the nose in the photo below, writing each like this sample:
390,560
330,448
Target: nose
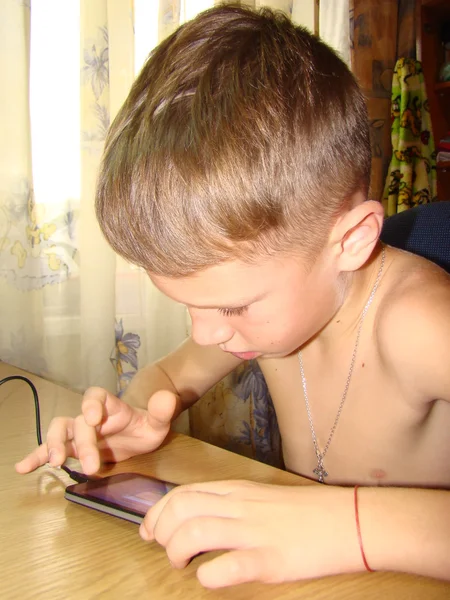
208,330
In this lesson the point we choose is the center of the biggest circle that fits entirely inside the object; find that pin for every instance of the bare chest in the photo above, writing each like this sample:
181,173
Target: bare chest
382,436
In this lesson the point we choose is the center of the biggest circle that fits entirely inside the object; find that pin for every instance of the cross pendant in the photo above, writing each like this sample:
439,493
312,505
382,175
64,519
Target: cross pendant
320,472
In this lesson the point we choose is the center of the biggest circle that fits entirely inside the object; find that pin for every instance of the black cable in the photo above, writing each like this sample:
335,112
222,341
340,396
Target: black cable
75,475
36,403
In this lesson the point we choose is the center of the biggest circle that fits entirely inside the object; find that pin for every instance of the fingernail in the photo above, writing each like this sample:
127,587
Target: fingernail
143,532
51,456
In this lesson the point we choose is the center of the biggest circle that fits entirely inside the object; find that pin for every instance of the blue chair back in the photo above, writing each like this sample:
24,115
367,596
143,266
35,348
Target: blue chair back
423,230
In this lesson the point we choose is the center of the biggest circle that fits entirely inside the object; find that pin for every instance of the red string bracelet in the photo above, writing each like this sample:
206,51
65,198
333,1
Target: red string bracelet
358,530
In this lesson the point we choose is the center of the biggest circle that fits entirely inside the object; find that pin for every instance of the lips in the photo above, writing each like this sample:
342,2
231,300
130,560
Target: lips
245,355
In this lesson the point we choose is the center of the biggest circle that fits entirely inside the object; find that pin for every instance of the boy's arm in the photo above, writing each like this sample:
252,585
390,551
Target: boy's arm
189,372
406,530
276,534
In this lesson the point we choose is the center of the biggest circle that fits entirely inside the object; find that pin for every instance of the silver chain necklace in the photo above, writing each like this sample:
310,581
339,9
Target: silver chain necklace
320,469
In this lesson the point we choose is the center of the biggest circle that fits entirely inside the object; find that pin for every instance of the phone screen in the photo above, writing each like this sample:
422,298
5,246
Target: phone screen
127,495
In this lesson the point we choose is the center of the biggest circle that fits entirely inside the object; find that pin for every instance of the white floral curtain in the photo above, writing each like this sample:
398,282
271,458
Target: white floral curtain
71,310
334,26
70,307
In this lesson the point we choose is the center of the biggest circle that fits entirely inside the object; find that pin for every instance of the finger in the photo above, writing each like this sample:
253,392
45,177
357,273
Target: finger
182,508
107,413
161,409
59,438
41,456
233,568
203,534
85,437
220,488
93,405
35,459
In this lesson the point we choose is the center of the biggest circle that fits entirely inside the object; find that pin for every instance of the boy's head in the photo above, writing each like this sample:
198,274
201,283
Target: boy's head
242,137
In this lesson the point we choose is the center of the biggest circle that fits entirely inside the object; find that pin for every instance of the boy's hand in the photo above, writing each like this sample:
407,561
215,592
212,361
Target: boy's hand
107,430
274,533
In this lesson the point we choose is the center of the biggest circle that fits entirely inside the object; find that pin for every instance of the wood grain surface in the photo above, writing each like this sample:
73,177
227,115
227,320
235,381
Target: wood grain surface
52,549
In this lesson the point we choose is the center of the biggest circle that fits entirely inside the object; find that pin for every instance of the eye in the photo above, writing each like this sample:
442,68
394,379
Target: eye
233,312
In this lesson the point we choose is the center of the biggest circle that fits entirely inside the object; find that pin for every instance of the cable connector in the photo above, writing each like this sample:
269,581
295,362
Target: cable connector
76,475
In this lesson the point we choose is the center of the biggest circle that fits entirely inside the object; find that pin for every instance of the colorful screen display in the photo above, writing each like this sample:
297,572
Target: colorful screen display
130,491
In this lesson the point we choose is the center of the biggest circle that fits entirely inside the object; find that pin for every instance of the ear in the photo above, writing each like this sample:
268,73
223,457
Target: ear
355,234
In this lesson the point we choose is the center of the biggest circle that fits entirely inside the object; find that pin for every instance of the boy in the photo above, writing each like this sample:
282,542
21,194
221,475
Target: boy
237,174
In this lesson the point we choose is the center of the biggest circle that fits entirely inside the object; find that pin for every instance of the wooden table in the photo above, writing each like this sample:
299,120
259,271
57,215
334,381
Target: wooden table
53,549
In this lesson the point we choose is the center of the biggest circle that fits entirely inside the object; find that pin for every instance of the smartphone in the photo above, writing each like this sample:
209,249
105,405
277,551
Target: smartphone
127,495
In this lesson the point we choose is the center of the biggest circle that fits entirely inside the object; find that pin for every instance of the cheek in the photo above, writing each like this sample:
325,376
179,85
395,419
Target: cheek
296,323
290,321
273,332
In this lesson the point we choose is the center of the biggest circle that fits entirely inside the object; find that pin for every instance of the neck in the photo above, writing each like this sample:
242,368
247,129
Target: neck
357,290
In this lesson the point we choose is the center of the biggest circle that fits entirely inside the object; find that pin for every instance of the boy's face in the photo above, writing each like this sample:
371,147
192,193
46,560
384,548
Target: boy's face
267,308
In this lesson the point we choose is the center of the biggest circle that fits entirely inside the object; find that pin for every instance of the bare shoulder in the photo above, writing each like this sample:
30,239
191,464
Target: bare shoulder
413,323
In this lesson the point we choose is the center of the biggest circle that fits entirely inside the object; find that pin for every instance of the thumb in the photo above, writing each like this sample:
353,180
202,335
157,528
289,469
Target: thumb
161,409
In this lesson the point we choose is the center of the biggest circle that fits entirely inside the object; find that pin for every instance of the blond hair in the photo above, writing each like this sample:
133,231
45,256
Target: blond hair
242,135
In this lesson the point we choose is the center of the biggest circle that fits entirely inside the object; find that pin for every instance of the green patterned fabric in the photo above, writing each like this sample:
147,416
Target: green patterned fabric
411,178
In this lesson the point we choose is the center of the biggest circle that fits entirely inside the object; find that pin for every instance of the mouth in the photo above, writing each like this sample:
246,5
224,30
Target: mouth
244,355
